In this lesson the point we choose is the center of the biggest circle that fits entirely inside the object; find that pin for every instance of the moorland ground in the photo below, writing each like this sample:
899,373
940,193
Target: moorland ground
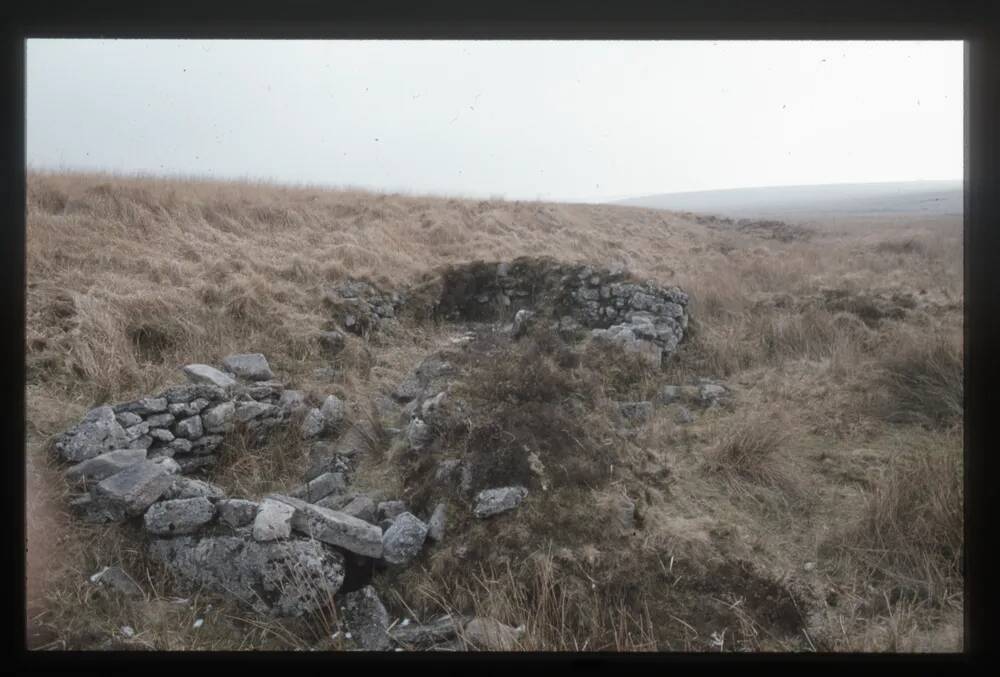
831,480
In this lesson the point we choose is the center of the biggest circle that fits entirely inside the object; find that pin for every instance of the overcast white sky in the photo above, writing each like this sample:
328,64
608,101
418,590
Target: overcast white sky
539,119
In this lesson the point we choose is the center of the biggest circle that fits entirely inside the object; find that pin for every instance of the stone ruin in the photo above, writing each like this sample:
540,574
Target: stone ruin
641,317
290,554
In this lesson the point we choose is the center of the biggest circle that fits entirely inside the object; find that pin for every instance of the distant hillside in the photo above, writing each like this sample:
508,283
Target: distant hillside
932,198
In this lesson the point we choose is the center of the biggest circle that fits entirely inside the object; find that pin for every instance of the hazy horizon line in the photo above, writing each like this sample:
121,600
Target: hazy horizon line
275,181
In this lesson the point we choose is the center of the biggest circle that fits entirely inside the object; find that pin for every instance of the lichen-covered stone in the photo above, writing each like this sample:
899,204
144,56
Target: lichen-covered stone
366,618
97,433
188,487
252,366
143,407
219,419
236,512
335,528
495,501
404,539
179,516
135,488
99,467
285,578
273,521
189,428
208,375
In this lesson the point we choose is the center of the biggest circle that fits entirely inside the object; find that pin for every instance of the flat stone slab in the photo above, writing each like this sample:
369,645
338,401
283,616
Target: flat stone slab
110,463
179,516
143,407
208,375
191,392
136,487
335,528
495,501
251,366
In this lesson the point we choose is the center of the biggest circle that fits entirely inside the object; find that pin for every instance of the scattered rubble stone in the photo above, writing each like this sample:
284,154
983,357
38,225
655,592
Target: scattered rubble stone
366,618
437,522
495,501
404,539
636,411
332,342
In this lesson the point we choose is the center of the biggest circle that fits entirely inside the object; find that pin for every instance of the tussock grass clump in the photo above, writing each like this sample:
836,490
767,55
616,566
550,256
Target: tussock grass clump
911,529
924,379
557,608
902,559
748,450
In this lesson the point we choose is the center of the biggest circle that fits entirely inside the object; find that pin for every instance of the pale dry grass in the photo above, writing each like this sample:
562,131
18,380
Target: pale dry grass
130,278
902,559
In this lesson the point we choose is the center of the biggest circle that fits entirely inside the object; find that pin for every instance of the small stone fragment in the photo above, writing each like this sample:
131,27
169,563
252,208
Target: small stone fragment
495,501
436,523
